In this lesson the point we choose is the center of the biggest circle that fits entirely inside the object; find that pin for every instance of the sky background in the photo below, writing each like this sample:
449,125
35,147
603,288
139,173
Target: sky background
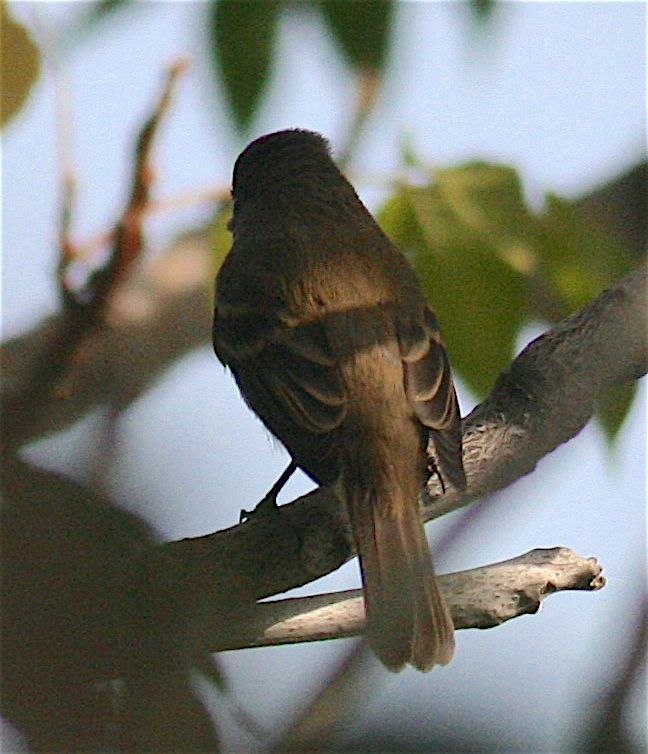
557,90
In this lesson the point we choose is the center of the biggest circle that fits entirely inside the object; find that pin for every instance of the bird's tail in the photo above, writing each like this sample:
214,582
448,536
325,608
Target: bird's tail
407,618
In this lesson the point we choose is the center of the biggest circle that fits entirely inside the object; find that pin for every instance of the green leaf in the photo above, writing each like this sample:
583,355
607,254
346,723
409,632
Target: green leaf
613,407
479,301
398,219
243,35
577,258
20,65
486,202
488,264
479,246
361,29
476,292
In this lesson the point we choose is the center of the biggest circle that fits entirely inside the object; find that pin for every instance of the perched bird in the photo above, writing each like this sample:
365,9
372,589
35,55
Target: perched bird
326,330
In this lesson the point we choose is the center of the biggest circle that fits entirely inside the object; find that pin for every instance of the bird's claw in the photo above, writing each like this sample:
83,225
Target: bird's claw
266,507
433,470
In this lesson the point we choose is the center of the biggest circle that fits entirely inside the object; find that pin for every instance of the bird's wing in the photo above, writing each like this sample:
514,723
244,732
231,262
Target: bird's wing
430,389
287,374
428,378
303,373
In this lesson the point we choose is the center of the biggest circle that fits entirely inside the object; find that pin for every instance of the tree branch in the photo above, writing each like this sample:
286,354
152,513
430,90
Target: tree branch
544,399
158,317
550,390
478,598
84,310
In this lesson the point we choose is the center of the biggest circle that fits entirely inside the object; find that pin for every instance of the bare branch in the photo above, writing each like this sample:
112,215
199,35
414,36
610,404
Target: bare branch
478,598
153,323
83,311
128,235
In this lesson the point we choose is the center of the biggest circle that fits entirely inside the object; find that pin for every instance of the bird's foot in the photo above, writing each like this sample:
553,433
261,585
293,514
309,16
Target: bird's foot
433,470
268,505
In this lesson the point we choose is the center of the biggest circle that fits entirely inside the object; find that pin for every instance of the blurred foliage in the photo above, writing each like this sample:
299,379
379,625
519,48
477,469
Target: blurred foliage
613,407
489,264
482,9
361,30
578,258
244,33
243,39
104,9
85,595
20,65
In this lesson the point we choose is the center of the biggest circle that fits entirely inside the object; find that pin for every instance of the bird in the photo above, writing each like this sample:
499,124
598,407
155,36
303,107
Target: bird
326,330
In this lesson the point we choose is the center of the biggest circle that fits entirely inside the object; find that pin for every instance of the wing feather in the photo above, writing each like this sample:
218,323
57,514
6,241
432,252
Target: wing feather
299,376
430,389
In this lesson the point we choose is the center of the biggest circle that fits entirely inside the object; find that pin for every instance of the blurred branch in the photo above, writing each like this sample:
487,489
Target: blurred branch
162,313
83,311
367,83
607,728
128,235
66,170
478,598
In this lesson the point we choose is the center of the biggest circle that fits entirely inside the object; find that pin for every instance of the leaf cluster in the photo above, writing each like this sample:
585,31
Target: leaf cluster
489,263
243,39
242,42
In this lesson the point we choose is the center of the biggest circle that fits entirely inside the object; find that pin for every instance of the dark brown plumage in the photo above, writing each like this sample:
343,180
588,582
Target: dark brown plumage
327,332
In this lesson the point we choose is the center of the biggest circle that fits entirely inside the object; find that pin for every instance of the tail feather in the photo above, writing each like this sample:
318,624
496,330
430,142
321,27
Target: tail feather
407,618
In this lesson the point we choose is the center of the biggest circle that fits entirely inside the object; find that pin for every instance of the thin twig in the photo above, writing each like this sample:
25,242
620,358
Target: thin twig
66,169
83,311
368,81
128,235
